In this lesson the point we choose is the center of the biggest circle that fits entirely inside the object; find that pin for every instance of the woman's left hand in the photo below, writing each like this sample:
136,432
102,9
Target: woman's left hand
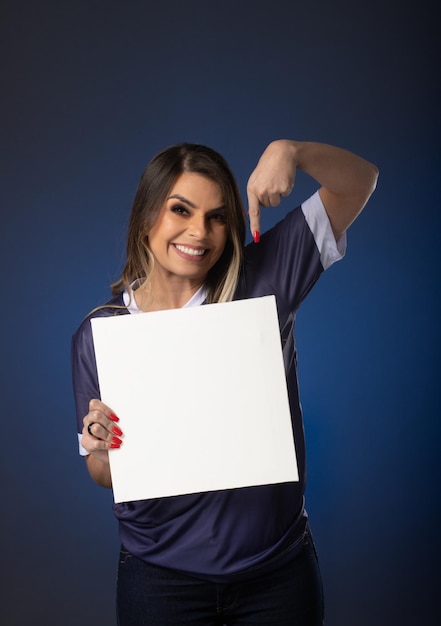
273,178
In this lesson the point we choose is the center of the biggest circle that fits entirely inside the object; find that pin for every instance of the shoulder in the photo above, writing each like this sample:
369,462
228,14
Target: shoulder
304,232
115,306
277,242
287,261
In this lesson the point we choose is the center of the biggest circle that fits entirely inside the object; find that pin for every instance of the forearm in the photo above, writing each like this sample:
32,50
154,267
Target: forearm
100,433
99,471
347,180
339,170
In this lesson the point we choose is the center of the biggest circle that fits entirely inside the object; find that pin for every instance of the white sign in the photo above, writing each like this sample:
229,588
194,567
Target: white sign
201,396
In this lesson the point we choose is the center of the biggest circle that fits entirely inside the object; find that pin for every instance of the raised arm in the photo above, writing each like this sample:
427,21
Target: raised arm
347,181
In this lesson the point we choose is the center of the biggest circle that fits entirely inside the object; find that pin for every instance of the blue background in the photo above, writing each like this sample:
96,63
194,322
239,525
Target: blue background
91,90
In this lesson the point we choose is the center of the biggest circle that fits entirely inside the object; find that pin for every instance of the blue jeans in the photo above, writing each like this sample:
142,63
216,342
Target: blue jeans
153,596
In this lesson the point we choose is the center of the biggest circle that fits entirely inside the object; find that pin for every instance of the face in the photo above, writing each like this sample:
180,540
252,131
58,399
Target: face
190,233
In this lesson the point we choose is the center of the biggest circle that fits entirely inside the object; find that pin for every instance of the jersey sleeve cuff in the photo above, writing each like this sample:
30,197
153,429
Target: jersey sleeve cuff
81,450
320,226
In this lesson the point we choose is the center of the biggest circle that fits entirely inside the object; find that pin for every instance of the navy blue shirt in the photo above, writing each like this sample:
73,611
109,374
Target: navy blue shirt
223,535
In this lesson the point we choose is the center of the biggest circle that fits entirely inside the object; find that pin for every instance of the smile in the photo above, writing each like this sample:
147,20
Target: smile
196,252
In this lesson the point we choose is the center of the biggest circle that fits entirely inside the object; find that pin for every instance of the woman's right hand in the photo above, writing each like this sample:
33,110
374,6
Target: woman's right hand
100,430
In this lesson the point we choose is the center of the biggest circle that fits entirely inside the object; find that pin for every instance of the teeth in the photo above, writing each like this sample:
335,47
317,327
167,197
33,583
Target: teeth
190,251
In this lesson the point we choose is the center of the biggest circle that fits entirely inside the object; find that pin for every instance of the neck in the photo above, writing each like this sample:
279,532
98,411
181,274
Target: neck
150,297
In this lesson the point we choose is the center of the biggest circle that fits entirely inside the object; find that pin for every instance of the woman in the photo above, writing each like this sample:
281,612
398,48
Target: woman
240,556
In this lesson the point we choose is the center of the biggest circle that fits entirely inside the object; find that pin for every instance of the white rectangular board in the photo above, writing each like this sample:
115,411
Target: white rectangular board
201,396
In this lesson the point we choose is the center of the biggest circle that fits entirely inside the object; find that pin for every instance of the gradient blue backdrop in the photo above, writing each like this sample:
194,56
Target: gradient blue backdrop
91,90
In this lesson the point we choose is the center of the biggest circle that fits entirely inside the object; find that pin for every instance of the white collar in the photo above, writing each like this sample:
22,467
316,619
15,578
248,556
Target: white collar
196,299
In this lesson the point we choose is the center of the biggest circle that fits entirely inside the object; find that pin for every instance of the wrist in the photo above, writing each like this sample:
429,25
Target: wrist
288,149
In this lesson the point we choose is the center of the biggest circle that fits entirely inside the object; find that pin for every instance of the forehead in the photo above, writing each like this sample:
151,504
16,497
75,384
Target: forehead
197,189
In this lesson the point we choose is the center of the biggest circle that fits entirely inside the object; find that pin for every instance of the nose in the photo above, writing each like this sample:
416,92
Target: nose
198,227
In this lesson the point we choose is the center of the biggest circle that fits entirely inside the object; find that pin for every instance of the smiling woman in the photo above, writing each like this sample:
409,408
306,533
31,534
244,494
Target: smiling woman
239,556
163,188
186,241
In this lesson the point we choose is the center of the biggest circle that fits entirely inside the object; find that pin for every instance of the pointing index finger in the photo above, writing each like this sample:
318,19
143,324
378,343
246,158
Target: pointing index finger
254,215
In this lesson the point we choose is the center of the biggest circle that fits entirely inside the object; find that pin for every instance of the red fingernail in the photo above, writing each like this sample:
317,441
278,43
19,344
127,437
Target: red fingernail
116,430
115,446
113,417
256,236
116,442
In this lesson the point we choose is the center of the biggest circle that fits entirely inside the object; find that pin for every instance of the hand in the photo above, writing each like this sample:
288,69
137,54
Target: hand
100,432
273,177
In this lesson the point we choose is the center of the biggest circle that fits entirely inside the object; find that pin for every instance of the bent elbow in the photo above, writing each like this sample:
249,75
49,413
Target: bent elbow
373,178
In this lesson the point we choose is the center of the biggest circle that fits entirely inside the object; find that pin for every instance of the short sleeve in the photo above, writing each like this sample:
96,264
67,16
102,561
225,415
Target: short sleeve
290,257
318,221
84,375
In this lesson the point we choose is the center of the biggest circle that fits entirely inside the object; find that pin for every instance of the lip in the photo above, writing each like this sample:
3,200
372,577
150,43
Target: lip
192,254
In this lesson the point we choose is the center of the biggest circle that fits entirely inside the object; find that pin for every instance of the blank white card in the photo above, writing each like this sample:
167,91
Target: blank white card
201,396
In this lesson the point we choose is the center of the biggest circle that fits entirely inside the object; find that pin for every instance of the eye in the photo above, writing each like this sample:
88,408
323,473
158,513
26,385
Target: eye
179,209
219,217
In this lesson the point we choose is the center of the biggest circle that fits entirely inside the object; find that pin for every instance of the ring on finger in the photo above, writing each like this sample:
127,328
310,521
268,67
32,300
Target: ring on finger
89,429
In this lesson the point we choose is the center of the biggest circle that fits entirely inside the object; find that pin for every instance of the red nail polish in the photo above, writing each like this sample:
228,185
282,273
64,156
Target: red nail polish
113,417
116,442
256,236
115,446
116,430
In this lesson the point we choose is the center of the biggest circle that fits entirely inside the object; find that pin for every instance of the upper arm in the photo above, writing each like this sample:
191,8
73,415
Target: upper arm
344,208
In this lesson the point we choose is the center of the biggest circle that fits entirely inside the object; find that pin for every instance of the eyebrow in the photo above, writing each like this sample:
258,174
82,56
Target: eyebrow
182,199
177,196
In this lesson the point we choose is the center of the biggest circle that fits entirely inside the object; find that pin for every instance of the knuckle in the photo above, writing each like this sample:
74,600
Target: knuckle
94,416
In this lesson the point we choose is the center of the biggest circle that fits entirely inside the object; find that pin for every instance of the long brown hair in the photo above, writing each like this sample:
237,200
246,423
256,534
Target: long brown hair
154,186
